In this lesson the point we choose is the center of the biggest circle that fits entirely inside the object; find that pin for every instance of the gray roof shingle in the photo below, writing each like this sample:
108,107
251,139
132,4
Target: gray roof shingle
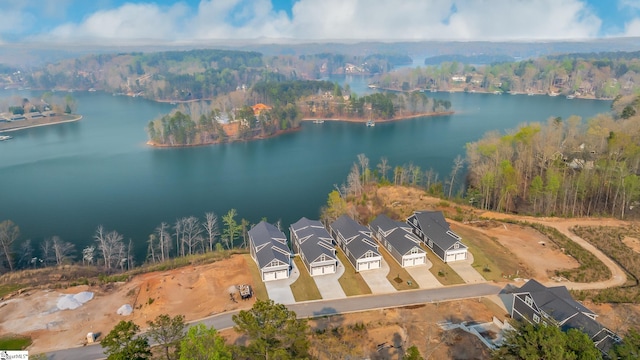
270,244
434,225
398,234
358,237
313,238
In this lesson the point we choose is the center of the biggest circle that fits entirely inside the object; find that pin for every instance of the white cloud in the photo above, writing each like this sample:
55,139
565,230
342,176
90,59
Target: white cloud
633,4
632,28
128,22
343,19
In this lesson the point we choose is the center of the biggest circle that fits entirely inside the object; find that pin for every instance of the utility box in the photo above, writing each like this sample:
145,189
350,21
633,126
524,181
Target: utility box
91,338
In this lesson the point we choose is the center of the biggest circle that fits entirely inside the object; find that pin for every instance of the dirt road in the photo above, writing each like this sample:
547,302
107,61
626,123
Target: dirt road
618,277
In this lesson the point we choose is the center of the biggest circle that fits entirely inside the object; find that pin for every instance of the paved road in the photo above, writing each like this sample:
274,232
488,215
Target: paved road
321,308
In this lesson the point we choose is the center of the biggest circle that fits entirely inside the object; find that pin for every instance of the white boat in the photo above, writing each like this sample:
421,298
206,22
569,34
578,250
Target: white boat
318,121
570,97
5,137
371,123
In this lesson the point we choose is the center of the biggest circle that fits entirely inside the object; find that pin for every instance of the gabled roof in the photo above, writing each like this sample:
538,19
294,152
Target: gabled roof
270,244
555,301
397,233
313,238
433,224
570,314
357,237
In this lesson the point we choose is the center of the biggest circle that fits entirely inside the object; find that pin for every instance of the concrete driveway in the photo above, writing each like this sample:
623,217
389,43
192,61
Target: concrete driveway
329,286
280,290
423,277
377,279
466,271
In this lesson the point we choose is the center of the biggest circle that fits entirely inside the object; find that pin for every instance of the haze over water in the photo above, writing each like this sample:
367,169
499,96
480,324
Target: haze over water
67,179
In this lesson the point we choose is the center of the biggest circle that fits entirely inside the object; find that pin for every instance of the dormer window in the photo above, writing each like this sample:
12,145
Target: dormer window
528,300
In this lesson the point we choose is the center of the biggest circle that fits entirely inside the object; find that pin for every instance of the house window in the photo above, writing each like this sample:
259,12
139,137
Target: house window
456,246
415,251
528,300
430,243
536,318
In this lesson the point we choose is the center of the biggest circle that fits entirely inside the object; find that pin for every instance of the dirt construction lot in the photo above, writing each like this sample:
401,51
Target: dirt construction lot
195,292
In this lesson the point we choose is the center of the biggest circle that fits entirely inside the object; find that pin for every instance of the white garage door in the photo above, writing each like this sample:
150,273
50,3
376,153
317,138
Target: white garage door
329,269
451,257
281,274
413,261
370,265
461,256
269,276
316,270
407,262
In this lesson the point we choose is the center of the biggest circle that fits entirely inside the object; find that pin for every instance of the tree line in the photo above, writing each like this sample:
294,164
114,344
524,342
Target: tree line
604,75
109,250
561,167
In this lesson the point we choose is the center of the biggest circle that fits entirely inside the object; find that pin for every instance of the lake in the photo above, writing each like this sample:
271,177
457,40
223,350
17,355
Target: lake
67,179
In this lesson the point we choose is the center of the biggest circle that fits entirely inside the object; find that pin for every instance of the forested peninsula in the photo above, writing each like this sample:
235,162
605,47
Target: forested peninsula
280,106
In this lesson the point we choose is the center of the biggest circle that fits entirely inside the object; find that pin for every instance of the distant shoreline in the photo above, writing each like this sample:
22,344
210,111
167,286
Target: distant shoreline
261,137
589,97
30,126
395,118
307,119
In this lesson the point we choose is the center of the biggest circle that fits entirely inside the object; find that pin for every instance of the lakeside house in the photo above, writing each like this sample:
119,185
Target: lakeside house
397,237
259,108
311,240
435,232
538,304
269,249
356,242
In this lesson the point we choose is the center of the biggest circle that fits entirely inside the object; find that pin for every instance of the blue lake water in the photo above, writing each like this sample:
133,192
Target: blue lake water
67,179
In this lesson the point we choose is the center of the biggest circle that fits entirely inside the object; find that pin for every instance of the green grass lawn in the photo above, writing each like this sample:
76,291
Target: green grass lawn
352,283
6,289
14,342
259,290
443,272
488,254
397,276
304,288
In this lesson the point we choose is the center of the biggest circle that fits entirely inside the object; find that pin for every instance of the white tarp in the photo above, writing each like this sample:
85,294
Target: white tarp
125,310
71,302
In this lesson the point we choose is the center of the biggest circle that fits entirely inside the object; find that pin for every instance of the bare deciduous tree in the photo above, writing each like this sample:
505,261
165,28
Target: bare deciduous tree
62,250
9,233
164,240
110,246
26,254
88,255
47,252
457,165
192,233
211,226
383,166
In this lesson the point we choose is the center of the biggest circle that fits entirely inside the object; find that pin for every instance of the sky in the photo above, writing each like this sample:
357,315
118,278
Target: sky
171,21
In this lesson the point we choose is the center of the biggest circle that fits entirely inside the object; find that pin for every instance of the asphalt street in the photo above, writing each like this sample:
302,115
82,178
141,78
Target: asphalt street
322,308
